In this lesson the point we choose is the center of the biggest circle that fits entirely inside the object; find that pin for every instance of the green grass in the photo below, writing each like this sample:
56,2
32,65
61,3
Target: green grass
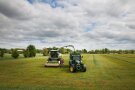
104,72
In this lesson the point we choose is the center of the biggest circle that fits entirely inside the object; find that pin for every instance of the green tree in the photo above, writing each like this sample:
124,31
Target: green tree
97,51
84,51
54,48
103,51
62,50
79,51
39,51
132,51
15,54
121,51
1,52
32,50
106,50
91,51
69,50
26,53
45,51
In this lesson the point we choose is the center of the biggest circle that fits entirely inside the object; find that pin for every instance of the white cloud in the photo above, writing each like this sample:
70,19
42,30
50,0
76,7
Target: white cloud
87,24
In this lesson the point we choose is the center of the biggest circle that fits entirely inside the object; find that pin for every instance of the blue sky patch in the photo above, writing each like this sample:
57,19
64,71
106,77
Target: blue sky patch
90,27
52,3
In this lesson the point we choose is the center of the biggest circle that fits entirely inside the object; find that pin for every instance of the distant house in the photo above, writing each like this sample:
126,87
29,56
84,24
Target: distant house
20,51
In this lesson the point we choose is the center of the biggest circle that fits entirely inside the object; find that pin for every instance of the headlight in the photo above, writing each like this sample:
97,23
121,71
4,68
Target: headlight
78,62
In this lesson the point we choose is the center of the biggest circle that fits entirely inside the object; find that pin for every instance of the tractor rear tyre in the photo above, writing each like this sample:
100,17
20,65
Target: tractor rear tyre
84,69
72,69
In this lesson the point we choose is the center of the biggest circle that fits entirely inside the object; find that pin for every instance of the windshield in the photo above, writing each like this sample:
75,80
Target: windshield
76,58
54,54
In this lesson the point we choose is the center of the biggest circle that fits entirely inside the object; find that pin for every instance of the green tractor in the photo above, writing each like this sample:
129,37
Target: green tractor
55,59
75,62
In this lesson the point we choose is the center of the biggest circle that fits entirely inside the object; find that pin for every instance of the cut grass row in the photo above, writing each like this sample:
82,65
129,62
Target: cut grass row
125,58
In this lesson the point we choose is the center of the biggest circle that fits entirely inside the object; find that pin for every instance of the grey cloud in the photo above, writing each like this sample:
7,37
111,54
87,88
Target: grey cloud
131,26
17,9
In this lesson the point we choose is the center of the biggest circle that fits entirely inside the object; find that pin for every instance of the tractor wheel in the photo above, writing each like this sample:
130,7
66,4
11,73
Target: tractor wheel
84,68
72,69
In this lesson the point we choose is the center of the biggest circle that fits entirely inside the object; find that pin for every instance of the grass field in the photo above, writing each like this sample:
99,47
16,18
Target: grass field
104,72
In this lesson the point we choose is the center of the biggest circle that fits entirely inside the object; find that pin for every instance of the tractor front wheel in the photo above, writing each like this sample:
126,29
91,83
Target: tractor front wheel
72,69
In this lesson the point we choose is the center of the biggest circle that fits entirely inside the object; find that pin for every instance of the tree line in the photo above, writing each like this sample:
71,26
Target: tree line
109,51
31,51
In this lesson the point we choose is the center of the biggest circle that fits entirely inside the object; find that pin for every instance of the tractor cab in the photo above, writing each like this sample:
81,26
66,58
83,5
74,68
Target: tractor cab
54,55
75,57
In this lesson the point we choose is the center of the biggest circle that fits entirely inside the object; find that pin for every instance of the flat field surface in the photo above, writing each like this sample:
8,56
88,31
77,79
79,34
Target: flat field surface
104,72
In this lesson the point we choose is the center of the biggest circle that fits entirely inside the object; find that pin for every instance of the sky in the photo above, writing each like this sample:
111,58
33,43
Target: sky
90,24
